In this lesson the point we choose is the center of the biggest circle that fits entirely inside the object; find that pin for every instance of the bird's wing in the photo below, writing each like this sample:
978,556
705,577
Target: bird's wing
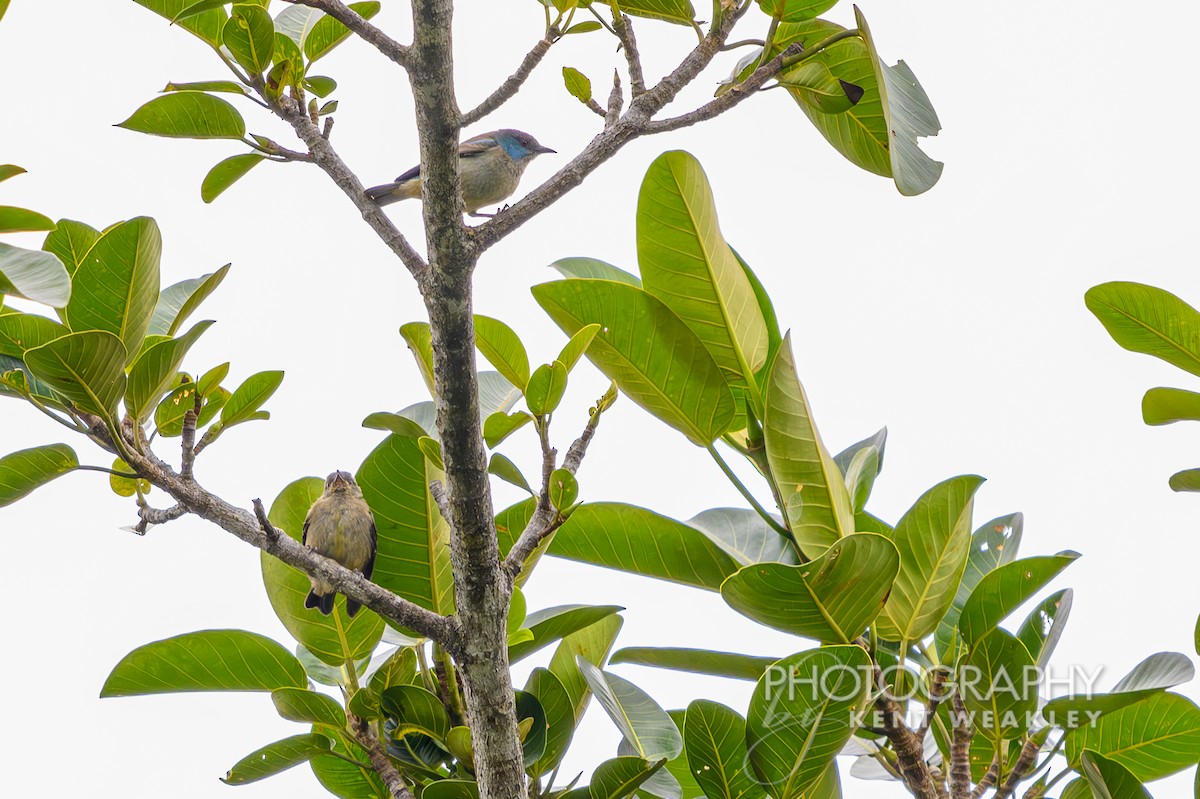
411,174
477,145
370,564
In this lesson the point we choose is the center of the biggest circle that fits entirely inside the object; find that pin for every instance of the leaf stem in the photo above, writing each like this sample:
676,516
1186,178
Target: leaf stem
745,492
106,470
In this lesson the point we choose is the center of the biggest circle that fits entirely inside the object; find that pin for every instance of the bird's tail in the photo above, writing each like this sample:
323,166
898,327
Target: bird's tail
394,192
322,602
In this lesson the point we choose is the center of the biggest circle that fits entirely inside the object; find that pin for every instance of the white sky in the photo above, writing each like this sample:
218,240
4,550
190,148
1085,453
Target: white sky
956,319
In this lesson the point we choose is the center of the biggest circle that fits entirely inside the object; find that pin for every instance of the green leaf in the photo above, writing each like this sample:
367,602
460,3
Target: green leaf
154,371
933,539
1187,480
211,660
593,642
1153,675
503,349
301,704
578,344
815,695
126,486
812,83
227,172
715,738
23,471
336,638
221,86
179,301
1149,320
249,397
644,724
419,338
250,36
1153,738
296,22
344,777
187,115
9,170
652,356
116,286
551,624
499,426
578,84
686,263
507,471
831,599
586,26
546,387
1169,405
560,718
529,711
23,331
451,789
34,275
998,690
321,86
328,33
861,463
1109,779
812,489
1002,591
678,12
592,268
637,540
87,368
206,26
417,710
71,241
16,220
1044,626
794,11
413,557
277,757
744,535
564,490
697,661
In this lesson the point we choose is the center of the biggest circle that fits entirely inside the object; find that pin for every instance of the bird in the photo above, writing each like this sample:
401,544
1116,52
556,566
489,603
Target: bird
339,525
489,168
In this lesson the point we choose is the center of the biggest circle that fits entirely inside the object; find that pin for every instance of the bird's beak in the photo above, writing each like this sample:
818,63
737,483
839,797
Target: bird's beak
339,480
544,149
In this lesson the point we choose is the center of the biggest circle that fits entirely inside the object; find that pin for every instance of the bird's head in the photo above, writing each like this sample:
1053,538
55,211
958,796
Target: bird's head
519,145
342,483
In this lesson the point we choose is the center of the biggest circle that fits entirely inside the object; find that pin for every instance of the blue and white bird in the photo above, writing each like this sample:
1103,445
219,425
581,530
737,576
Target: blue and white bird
490,166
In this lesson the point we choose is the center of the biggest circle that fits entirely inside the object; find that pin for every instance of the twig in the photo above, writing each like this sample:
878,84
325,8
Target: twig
438,492
960,750
368,32
1024,763
261,513
935,700
743,43
987,780
387,771
188,437
616,101
549,459
148,517
910,750
597,109
623,27
512,83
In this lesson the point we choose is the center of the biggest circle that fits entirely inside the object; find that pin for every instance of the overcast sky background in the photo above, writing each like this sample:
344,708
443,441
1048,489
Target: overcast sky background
955,318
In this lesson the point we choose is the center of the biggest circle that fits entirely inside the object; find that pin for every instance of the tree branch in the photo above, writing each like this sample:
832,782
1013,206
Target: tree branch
623,27
1024,764
365,30
513,83
187,442
960,749
910,750
148,517
192,498
382,764
936,697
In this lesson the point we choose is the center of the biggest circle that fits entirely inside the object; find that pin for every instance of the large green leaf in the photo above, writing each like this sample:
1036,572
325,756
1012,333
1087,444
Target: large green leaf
250,37
633,539
34,275
277,757
71,241
652,356
996,686
1002,591
645,726
19,220
592,268
686,263
550,624
211,660
154,371
87,368
503,349
24,331
1153,675
1109,779
715,738
23,471
801,715
831,599
679,12
335,638
301,704
296,22
810,485
414,540
227,172
327,33
592,643
116,286
178,301
187,115
619,777
744,535
933,538
697,661
1152,739
206,26
1149,320
560,718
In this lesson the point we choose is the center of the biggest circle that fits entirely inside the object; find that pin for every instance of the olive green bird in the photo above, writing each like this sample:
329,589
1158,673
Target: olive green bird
340,526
